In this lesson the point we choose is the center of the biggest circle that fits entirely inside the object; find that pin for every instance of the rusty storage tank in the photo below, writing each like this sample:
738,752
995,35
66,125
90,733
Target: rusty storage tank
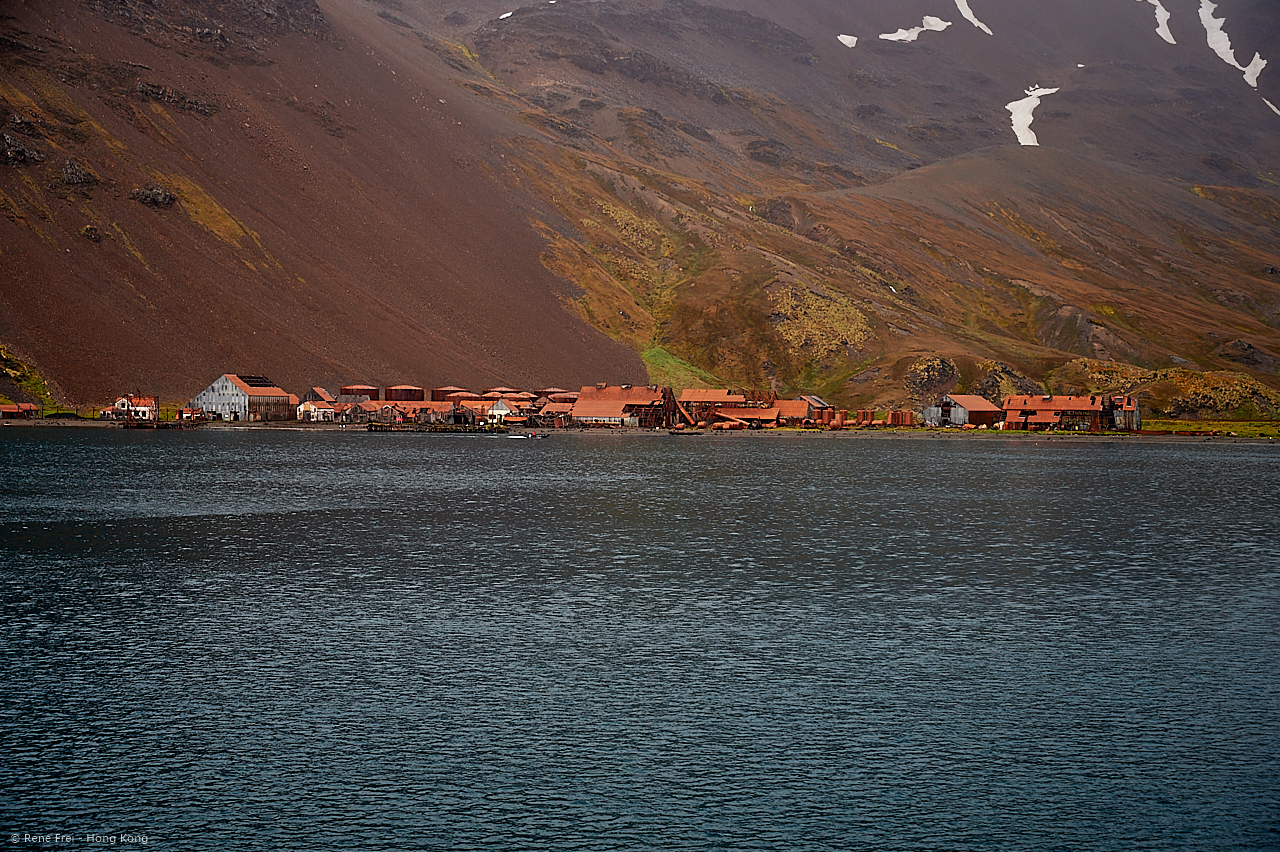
406,393
360,390
442,394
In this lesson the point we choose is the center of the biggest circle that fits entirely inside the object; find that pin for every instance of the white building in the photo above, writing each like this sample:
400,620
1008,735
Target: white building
130,407
251,398
315,411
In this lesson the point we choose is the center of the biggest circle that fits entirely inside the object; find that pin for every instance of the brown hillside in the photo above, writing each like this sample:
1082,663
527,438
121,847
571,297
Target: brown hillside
336,215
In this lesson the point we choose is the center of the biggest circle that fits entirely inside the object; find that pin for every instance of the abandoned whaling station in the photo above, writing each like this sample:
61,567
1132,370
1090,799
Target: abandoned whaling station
257,399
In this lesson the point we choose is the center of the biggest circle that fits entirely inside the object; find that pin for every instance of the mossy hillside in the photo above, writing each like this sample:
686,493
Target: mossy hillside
668,370
1172,392
26,378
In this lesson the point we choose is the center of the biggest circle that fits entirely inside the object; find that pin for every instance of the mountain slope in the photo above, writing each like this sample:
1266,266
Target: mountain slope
327,225
429,191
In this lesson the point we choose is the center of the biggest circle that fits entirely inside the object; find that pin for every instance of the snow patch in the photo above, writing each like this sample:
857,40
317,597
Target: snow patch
848,40
1021,112
1162,20
1221,44
505,15
963,6
1274,108
931,24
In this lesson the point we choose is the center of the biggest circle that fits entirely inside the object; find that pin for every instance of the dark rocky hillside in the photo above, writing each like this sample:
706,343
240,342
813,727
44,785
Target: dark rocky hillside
685,192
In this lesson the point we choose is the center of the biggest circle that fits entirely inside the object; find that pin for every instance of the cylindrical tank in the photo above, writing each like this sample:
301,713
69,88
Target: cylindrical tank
359,390
406,393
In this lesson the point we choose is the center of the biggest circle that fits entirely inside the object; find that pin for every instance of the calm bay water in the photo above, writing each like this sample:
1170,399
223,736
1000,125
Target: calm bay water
280,640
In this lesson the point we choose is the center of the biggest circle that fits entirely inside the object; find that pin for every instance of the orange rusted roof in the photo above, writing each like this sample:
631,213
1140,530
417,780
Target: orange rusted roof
414,405
633,394
1054,403
749,413
792,408
715,395
608,409
250,390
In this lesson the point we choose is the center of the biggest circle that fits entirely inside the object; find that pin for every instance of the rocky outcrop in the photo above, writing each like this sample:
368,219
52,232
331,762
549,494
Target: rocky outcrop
16,152
154,196
1246,354
1002,381
216,24
929,378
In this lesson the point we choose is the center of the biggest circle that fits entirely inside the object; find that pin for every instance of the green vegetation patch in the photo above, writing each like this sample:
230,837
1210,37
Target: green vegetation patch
667,369
818,324
25,377
1239,428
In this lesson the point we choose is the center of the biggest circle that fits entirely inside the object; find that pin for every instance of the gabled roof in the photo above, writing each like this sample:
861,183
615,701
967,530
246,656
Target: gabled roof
815,401
323,394
973,402
792,408
257,386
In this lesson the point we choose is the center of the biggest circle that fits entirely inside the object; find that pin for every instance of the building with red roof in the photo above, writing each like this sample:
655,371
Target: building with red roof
1094,413
960,409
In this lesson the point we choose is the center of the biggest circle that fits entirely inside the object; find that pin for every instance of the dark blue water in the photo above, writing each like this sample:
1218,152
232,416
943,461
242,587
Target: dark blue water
273,640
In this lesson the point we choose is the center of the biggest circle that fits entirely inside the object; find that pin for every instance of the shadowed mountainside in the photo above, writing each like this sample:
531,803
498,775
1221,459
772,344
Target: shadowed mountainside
428,191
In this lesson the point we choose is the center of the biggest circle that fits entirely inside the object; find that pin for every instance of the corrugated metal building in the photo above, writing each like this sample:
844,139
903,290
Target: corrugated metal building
963,410
1094,413
242,397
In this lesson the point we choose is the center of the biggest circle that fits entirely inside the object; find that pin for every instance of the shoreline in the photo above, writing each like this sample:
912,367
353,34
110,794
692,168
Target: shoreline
749,434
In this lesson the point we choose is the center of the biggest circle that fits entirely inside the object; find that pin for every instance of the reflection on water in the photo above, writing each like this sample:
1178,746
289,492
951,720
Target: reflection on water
245,639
